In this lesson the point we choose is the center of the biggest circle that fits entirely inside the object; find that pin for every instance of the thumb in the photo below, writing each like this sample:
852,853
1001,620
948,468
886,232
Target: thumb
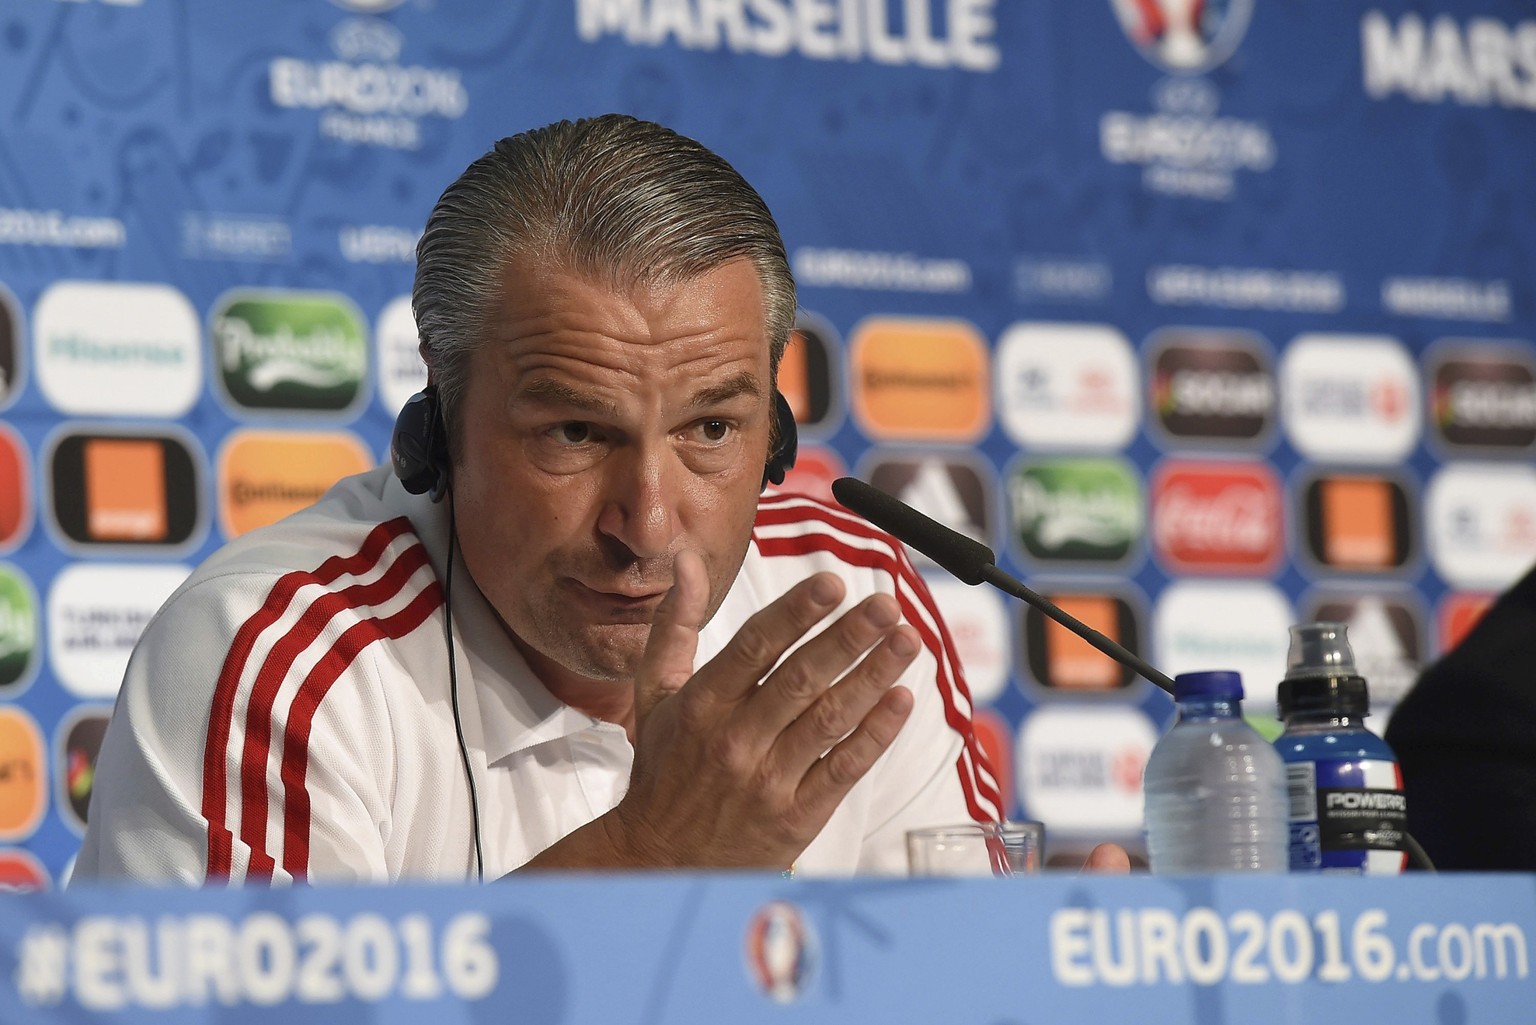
669,652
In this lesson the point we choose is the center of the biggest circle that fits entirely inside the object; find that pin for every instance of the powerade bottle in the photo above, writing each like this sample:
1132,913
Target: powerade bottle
1348,811
1215,788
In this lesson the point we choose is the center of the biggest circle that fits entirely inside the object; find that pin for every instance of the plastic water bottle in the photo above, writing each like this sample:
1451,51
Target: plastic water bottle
1215,789
1348,811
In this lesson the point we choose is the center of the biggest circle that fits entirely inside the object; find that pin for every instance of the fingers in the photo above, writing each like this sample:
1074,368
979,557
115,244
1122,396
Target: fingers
830,779
767,635
1108,858
669,652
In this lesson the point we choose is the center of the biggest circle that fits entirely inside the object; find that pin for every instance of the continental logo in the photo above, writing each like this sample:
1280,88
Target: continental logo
1484,397
265,475
18,632
806,375
1217,517
1076,510
1181,37
954,492
23,775
1061,660
920,380
15,490
79,742
1358,523
1212,385
10,347
299,351
140,489
107,348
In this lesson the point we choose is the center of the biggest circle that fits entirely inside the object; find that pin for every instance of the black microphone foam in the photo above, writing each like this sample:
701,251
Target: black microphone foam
973,563
965,557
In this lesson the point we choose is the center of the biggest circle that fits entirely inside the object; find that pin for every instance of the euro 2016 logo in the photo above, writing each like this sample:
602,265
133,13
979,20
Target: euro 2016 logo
780,950
1185,37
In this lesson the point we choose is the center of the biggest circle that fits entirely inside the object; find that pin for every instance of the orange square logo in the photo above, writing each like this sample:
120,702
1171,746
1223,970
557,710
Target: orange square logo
125,489
1357,523
1072,662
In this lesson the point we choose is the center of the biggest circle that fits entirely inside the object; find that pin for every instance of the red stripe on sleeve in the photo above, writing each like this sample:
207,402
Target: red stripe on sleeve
269,680
296,806
221,714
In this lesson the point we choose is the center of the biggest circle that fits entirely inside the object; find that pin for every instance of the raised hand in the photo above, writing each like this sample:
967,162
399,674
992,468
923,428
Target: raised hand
743,762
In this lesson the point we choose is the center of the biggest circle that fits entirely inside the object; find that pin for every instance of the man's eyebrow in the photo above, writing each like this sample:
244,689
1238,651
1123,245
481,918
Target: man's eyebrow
744,383
556,393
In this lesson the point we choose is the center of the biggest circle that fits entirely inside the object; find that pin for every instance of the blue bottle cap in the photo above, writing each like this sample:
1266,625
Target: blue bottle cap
1222,684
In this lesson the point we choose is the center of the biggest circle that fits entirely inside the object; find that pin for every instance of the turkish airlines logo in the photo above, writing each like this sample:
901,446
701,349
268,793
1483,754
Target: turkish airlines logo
96,613
978,624
15,490
1186,37
1212,385
1357,522
1350,397
1071,386
920,379
1058,658
1484,397
125,489
1217,517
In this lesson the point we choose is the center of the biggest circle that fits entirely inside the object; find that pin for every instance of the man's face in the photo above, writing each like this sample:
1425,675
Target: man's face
602,433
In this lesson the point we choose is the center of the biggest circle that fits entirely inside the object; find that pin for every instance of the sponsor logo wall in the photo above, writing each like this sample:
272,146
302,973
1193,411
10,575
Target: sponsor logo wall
1207,318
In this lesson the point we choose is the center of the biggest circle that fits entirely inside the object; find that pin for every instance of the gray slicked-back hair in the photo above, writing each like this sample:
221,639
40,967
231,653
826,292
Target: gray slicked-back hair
612,198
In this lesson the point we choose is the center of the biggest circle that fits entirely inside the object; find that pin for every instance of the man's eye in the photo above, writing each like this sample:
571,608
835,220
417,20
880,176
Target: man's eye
574,433
714,430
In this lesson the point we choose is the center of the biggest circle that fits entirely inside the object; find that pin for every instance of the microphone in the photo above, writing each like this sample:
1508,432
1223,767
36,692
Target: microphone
972,563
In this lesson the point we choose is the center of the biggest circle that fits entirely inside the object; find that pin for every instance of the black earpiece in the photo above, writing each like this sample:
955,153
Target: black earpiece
786,441
419,447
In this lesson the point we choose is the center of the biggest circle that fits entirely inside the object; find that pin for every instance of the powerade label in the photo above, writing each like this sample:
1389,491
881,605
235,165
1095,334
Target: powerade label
1341,822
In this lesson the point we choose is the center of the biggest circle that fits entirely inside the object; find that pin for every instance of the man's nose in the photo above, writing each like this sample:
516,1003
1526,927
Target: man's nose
639,509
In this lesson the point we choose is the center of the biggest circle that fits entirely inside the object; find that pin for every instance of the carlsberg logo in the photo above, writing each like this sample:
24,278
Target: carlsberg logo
292,350
1082,509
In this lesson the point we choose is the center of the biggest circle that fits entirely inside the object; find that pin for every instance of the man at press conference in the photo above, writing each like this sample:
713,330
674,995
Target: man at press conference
568,628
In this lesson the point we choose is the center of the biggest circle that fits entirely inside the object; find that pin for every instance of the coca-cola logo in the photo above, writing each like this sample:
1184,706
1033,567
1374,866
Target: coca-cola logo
1217,517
